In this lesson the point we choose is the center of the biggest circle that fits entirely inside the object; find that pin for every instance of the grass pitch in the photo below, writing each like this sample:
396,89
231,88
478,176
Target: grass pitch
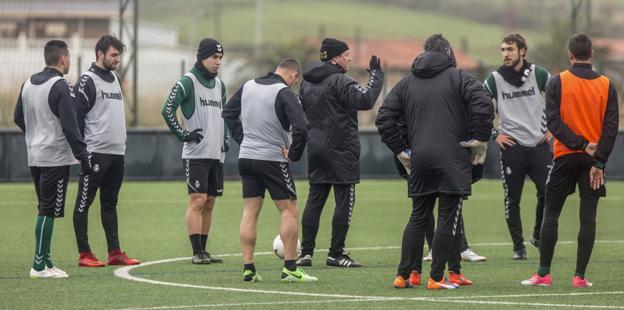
152,228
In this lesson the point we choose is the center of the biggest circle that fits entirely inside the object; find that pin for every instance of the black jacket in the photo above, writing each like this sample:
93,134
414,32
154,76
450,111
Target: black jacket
331,100
442,106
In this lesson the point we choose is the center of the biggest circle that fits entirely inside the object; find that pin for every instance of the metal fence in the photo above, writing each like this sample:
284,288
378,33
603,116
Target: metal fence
154,154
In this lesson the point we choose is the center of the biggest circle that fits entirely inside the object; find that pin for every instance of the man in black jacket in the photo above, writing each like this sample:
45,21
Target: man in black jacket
443,107
331,101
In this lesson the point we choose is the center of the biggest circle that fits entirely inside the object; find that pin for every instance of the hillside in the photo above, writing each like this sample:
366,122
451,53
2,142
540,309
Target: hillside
290,19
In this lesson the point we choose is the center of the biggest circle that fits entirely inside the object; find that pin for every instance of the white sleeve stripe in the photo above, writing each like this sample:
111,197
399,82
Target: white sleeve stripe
184,90
488,87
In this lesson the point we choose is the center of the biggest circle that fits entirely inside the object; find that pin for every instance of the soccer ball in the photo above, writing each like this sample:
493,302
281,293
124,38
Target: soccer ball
278,246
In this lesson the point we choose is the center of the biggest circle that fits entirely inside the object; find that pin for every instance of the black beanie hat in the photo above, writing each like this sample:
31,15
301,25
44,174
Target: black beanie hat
331,48
208,47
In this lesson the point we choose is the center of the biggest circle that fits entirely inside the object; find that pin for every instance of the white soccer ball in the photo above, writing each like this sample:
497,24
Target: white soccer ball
278,246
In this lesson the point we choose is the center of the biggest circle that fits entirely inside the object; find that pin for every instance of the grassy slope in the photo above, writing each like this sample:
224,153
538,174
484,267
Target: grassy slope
152,228
289,19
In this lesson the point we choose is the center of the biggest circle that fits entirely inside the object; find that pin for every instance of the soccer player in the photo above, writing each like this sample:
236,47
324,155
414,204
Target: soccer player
516,89
200,95
582,112
101,117
331,101
266,119
45,113
443,108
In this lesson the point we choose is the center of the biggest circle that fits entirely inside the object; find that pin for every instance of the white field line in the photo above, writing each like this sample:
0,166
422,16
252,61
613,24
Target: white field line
534,295
124,273
523,304
434,299
270,303
558,243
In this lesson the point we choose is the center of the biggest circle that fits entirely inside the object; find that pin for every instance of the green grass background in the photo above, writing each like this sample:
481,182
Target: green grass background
151,216
285,20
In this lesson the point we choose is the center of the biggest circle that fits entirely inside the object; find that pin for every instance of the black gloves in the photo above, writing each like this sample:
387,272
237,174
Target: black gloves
85,164
374,64
193,136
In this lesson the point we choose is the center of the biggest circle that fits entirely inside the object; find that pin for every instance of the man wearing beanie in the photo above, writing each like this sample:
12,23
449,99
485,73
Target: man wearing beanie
331,101
200,95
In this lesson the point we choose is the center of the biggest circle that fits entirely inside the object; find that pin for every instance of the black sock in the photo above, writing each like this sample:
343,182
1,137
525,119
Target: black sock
290,264
586,234
109,222
249,267
204,239
549,231
80,229
196,243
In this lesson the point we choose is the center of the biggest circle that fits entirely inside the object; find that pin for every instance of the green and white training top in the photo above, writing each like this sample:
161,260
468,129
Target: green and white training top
201,101
521,110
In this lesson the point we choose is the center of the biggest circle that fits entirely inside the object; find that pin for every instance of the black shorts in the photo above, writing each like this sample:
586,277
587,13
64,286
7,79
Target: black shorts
261,175
569,170
51,188
204,176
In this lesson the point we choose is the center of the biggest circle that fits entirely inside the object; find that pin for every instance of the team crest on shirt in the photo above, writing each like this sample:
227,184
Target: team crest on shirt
196,183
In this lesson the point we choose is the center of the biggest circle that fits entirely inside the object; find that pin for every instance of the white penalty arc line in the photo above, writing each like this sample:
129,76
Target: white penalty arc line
124,273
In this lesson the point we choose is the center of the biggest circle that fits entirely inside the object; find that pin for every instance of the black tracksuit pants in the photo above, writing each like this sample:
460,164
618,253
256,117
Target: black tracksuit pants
446,240
107,177
568,171
344,194
463,244
516,163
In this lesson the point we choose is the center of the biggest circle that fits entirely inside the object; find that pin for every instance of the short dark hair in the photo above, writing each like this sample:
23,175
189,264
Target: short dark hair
53,51
580,46
437,43
516,38
107,41
289,64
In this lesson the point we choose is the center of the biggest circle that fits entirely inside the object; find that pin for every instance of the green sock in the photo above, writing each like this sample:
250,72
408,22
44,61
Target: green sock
48,232
543,271
43,235
48,261
580,275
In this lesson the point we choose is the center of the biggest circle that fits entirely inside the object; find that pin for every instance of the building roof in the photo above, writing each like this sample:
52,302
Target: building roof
614,47
59,9
396,54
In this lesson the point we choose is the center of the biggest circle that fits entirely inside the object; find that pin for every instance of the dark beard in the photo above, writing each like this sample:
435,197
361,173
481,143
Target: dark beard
108,66
513,64
513,77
